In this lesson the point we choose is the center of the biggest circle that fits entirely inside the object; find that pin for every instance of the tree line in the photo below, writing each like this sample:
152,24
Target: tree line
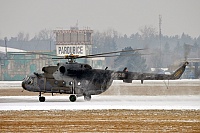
161,51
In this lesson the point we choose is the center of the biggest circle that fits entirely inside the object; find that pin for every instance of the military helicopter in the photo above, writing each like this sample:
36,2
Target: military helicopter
79,79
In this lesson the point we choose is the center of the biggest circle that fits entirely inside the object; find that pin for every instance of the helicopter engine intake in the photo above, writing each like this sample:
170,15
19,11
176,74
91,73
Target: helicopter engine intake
62,69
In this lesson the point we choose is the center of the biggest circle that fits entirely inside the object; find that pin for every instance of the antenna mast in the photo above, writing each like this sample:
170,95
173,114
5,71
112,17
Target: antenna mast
5,39
160,22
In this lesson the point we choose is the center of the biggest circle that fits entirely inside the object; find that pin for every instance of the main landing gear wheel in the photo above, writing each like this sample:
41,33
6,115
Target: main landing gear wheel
72,98
41,99
87,97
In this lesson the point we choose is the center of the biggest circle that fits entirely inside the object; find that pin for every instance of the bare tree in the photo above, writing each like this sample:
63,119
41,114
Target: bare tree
21,36
45,34
148,32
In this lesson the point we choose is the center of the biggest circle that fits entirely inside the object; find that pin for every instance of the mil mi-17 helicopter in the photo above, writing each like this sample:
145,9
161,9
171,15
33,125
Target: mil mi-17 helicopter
79,79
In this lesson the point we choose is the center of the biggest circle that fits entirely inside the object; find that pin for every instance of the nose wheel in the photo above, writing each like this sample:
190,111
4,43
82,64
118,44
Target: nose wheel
41,98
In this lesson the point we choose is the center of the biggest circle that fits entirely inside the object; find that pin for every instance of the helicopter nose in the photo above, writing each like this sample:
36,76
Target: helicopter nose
23,85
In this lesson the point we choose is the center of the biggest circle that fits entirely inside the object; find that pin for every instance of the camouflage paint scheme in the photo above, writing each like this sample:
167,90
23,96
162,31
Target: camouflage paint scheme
81,80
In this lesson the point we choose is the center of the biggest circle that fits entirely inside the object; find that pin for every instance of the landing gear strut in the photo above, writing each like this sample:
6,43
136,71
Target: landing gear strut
72,97
41,98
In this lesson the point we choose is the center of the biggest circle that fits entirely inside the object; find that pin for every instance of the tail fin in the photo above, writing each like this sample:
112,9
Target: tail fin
178,73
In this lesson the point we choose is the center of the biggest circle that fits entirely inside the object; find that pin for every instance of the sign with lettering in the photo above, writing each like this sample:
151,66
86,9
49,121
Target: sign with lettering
63,50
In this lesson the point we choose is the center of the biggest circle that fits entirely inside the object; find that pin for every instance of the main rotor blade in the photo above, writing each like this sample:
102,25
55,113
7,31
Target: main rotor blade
97,55
31,53
115,55
29,59
103,56
133,50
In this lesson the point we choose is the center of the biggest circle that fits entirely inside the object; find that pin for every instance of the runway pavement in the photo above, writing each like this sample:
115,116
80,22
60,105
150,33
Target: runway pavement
177,94
101,102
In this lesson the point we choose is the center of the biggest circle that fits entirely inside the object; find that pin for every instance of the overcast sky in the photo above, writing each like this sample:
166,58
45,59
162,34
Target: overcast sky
125,16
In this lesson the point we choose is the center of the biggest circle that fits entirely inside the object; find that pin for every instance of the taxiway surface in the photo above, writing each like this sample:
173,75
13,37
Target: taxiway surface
179,94
101,102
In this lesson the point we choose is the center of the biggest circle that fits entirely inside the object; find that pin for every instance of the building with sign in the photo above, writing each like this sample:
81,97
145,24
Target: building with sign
77,42
73,41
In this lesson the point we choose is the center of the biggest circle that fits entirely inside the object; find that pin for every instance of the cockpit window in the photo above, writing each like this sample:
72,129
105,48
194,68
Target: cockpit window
28,80
25,79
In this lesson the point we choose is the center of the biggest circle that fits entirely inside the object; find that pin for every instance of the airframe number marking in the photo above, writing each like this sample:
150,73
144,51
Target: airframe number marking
120,75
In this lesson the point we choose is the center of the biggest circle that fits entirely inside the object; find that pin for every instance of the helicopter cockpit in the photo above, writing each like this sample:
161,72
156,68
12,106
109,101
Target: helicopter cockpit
28,81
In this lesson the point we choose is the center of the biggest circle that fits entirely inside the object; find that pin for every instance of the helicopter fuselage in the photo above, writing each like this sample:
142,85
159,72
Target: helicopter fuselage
79,79
74,78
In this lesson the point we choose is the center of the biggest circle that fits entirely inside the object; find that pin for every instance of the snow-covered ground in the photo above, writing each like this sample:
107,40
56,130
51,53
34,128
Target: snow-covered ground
3,50
101,102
